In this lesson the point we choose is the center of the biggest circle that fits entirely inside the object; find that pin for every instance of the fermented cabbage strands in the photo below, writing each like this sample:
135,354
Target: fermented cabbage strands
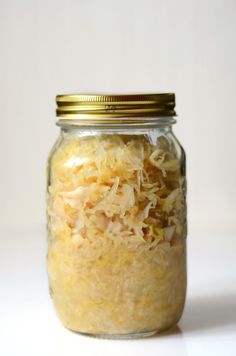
116,258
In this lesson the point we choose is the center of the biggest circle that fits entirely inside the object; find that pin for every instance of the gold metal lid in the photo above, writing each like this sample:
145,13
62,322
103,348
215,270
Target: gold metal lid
86,107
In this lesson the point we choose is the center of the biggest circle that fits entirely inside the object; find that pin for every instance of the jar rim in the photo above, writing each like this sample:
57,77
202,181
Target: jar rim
114,108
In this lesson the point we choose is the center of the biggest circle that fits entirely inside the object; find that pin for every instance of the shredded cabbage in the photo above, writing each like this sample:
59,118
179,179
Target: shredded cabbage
116,217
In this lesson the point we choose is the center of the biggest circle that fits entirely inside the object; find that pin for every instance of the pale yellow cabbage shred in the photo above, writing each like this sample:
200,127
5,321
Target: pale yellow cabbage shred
116,213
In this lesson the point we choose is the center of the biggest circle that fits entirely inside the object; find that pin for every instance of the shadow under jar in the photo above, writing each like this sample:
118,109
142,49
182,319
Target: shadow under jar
117,215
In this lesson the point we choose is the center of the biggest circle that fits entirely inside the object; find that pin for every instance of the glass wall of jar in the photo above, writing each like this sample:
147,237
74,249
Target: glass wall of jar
117,215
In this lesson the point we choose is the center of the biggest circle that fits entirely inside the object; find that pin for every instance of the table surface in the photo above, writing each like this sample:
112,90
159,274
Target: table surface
29,326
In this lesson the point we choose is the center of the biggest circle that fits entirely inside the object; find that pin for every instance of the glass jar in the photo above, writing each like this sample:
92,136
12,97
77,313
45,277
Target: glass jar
117,215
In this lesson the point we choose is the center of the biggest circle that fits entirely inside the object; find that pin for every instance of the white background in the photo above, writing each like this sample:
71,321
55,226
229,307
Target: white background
51,47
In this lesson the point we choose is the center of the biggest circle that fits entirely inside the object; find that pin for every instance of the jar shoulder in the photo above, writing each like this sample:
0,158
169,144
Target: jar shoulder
177,146
87,143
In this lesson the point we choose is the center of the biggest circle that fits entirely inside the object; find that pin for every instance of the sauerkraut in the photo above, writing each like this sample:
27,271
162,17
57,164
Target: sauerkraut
116,219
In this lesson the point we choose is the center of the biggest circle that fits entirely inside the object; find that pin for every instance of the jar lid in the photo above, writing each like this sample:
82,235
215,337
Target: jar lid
94,106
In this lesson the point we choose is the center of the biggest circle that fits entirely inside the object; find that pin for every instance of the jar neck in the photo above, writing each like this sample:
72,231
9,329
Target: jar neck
160,123
77,130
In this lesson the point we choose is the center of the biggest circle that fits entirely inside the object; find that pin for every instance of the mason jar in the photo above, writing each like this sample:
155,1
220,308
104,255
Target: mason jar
117,215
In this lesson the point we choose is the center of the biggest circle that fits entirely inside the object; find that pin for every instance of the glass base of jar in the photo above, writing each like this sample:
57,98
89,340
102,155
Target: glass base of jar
119,336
